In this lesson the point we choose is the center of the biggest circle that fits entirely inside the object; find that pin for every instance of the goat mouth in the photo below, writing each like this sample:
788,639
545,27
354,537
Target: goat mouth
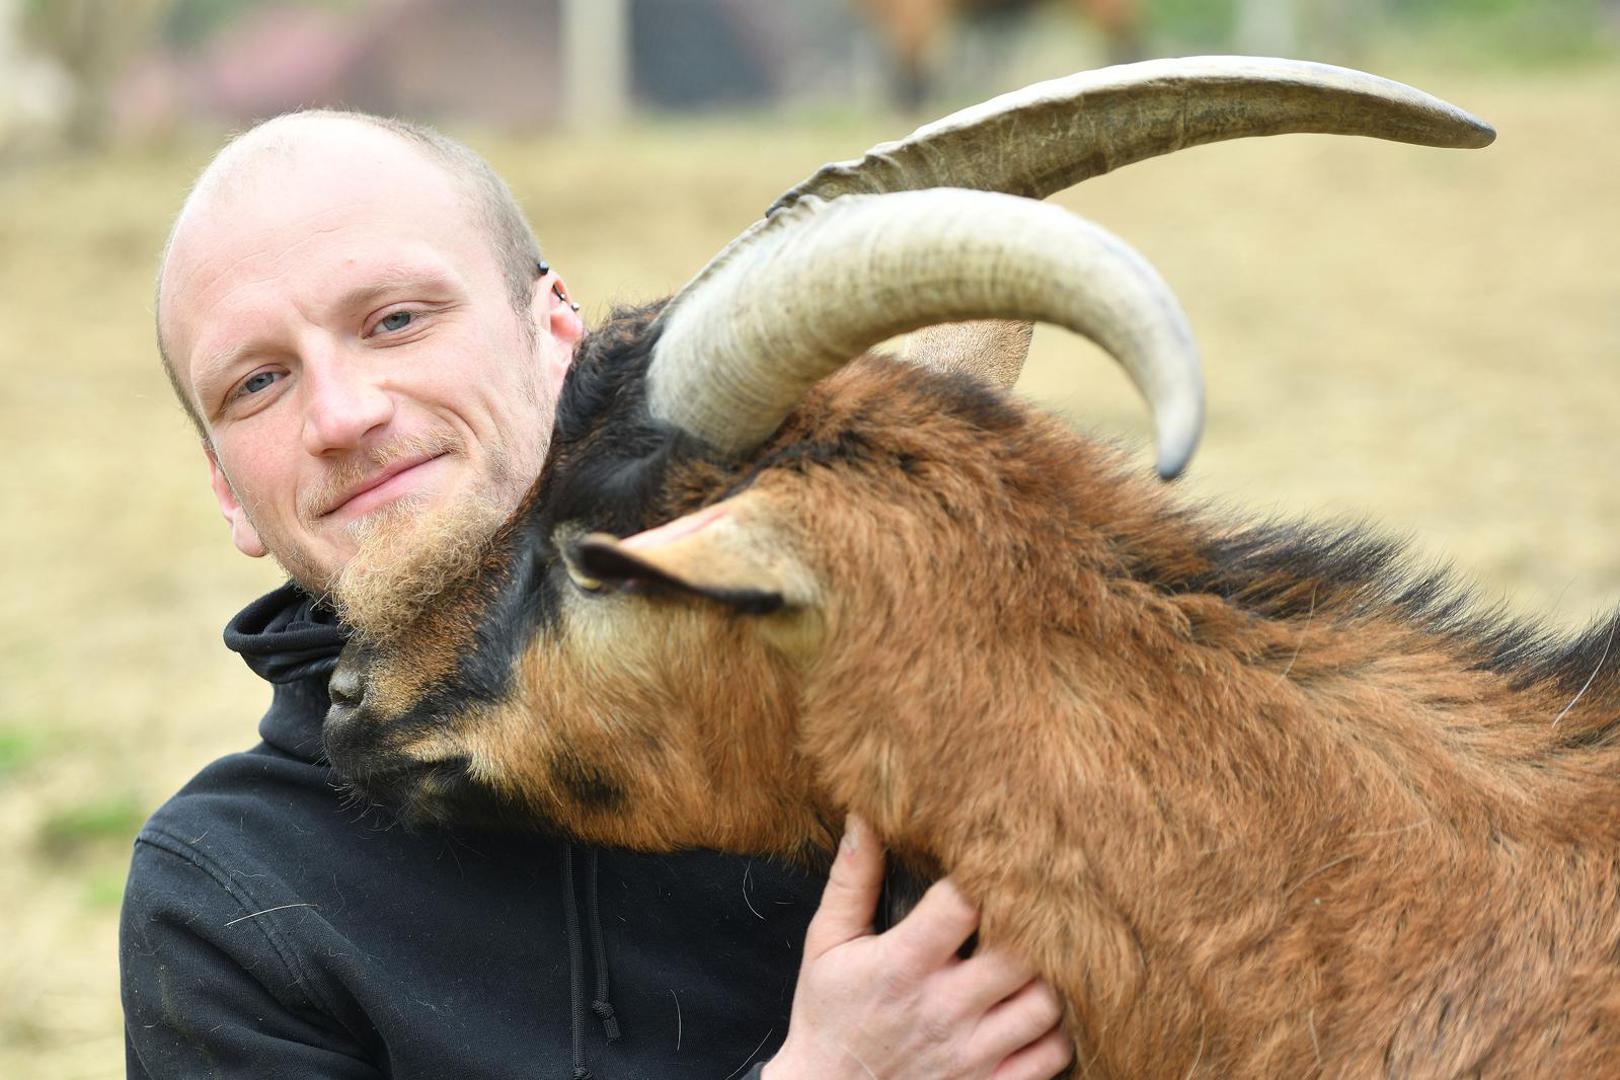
418,793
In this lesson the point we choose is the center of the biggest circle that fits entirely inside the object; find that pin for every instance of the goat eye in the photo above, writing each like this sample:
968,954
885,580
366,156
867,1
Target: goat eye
580,579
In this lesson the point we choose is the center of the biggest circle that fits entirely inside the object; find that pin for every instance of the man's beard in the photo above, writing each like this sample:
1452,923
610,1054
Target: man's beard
410,550
408,555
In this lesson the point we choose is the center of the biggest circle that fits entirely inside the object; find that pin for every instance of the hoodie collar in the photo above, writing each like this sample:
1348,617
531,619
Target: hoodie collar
285,636
291,642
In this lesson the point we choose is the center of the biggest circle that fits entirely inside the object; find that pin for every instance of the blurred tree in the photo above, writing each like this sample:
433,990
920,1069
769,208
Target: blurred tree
1193,24
92,40
191,21
596,61
1343,31
1333,30
1267,27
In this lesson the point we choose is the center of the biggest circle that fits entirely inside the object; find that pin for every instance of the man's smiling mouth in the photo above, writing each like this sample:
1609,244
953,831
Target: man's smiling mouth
397,479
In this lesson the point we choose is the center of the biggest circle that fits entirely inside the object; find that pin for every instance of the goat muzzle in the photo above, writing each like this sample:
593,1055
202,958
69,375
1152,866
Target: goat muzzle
344,735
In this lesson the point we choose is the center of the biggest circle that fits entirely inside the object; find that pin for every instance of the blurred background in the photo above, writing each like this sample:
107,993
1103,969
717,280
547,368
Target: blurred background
1427,339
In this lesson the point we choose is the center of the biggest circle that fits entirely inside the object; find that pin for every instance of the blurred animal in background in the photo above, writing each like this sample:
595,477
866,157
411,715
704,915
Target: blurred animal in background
916,32
1257,800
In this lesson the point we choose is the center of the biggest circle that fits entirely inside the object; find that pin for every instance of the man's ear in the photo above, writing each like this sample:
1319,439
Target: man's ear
556,317
243,534
740,552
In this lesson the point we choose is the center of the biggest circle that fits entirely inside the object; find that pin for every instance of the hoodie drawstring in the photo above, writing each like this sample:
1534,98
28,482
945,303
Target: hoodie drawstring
602,1007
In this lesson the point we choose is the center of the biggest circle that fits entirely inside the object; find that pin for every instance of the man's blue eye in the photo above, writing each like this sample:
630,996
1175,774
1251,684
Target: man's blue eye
399,320
258,381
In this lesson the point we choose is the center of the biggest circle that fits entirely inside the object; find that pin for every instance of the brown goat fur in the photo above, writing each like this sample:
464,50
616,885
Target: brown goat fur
1255,800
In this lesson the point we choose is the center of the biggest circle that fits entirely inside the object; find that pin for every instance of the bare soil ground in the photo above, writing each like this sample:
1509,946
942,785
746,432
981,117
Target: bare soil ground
1427,339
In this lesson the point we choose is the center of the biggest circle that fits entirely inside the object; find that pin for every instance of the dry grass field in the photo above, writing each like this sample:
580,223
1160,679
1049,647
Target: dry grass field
1426,339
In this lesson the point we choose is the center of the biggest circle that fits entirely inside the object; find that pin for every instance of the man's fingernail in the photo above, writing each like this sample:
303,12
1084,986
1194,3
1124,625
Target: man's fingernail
850,841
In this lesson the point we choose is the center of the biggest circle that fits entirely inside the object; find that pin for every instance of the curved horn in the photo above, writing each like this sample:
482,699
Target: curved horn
1052,135
821,282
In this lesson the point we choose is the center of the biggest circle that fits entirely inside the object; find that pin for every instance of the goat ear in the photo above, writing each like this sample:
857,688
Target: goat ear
737,552
993,349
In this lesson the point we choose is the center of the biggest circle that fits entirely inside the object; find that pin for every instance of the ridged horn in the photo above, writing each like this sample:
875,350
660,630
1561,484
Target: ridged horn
1030,143
1052,135
821,282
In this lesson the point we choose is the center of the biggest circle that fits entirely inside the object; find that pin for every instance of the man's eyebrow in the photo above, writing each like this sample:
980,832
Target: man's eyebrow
394,279
214,366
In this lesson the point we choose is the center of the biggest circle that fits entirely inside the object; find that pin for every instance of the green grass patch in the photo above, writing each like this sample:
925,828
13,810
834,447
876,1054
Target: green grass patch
112,819
18,749
104,888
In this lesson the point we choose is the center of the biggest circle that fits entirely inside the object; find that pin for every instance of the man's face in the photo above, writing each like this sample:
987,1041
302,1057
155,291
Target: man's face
337,312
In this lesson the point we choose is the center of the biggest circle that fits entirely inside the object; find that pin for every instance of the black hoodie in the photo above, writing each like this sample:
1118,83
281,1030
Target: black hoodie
268,931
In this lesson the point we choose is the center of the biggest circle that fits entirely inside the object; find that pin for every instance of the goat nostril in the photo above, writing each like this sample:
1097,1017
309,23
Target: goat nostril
345,688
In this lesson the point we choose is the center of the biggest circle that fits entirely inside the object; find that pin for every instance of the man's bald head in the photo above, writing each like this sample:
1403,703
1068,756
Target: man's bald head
250,158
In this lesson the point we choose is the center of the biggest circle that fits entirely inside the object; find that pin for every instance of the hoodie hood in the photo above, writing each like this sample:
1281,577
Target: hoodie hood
292,642
285,636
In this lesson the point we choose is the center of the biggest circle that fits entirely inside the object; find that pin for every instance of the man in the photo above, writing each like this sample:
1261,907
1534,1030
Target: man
355,316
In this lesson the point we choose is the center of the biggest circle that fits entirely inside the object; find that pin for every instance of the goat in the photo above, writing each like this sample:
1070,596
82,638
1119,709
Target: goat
913,30
1255,799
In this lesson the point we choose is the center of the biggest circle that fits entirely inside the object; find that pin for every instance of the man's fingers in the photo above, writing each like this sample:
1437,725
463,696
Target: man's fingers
936,928
850,898
1019,1021
989,977
1040,1060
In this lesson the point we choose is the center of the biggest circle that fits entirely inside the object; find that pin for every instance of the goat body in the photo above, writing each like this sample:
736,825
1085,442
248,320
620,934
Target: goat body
1256,800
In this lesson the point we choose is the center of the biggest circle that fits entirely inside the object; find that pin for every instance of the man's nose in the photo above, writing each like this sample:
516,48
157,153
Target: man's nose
343,402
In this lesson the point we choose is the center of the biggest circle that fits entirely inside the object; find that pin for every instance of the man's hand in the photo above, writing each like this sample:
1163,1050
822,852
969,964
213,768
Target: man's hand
902,1004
